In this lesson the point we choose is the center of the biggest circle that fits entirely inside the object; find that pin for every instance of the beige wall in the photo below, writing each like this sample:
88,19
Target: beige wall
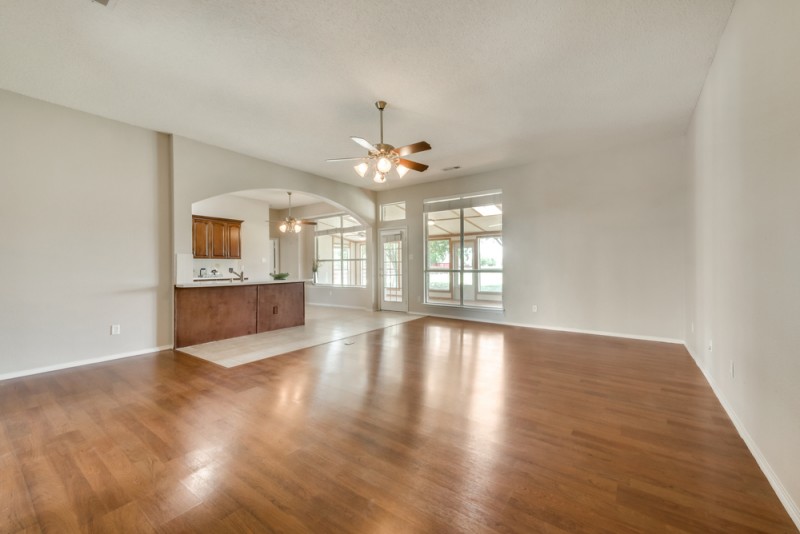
745,289
596,240
85,212
202,171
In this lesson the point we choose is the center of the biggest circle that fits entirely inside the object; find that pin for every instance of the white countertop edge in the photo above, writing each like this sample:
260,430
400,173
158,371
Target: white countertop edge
227,283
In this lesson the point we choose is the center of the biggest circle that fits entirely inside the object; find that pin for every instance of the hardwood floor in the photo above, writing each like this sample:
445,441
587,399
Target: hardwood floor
428,426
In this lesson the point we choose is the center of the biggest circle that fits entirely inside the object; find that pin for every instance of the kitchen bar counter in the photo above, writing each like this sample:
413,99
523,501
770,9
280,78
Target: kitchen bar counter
225,282
210,311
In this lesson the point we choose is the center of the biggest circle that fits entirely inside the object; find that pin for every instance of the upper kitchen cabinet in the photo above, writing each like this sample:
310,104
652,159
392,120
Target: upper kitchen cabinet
213,237
235,240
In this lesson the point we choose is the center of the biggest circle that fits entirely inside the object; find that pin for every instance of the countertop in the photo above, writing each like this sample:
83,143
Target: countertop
229,283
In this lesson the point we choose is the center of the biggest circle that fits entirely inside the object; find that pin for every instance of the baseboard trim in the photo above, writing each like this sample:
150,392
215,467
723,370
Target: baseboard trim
78,363
326,305
792,508
559,328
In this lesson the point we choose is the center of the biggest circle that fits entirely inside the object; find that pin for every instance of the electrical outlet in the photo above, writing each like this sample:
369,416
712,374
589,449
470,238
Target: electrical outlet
115,330
534,308
732,369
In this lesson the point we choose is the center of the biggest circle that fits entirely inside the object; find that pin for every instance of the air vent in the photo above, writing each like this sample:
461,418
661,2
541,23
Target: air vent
453,168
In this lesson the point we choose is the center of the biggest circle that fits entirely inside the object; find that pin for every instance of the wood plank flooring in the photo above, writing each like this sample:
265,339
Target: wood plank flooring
429,426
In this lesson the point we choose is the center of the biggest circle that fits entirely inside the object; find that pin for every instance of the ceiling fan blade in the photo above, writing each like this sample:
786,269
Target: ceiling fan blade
412,149
344,159
309,223
413,165
366,144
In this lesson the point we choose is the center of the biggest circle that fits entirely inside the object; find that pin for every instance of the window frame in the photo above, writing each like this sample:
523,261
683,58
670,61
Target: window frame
343,267
400,203
458,243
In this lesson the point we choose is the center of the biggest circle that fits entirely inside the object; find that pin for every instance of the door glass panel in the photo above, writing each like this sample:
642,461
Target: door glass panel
392,270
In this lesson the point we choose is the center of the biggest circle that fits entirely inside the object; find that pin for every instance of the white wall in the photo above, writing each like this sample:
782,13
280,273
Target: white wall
745,288
256,257
596,240
85,211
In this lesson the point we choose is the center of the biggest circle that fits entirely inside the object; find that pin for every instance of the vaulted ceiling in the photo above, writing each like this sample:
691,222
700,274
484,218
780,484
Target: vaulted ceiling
488,84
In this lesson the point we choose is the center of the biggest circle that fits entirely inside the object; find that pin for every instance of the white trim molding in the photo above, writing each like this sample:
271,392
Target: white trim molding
557,328
792,508
78,363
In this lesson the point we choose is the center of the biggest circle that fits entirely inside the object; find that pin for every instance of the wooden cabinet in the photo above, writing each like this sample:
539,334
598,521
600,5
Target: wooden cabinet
204,314
280,306
213,313
234,241
200,242
213,237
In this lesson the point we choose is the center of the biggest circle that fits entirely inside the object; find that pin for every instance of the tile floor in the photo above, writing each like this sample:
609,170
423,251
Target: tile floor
323,325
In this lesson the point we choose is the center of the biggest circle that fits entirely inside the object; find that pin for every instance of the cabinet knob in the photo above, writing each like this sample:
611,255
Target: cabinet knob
274,310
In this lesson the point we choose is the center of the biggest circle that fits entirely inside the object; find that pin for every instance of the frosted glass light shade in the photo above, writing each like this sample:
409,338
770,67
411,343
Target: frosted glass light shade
379,177
401,171
384,165
297,228
282,227
361,168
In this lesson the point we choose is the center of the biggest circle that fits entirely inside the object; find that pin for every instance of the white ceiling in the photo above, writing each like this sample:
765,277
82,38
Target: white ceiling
488,84
278,199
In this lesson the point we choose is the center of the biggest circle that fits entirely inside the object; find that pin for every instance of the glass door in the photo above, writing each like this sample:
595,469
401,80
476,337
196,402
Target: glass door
393,270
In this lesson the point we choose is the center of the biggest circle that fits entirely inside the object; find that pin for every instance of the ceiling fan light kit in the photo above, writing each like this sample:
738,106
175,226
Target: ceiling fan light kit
384,159
290,224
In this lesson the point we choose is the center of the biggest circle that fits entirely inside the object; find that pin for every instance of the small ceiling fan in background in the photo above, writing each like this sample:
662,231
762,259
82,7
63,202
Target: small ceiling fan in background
383,158
290,224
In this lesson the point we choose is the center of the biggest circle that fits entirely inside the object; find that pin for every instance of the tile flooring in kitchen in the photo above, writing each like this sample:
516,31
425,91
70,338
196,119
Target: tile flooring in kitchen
323,325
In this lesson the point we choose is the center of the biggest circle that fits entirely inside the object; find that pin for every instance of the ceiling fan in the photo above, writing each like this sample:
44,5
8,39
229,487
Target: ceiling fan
383,158
290,224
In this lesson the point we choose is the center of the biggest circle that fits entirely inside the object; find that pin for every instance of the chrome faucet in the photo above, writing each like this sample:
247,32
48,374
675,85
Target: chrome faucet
239,276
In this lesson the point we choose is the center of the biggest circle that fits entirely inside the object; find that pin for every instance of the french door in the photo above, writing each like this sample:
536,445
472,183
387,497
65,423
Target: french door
393,272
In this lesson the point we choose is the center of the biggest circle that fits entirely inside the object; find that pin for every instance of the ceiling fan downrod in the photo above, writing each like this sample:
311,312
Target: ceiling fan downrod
380,104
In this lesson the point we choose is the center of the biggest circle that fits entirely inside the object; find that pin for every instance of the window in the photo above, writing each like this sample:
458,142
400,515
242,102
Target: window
439,264
395,211
341,251
464,252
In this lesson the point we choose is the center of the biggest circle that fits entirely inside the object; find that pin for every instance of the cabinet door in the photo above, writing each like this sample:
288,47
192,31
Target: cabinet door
219,241
200,238
280,306
234,240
